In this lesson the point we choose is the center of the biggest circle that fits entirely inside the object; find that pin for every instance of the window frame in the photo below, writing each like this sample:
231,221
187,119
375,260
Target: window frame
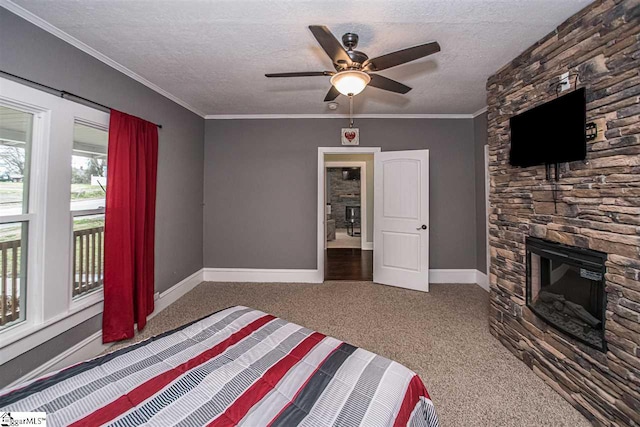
33,216
50,308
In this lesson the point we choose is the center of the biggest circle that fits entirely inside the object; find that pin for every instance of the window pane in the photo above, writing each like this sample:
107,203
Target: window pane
88,167
13,241
16,129
88,253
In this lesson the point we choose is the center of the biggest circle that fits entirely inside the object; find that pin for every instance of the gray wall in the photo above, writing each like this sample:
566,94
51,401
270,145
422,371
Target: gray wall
480,140
254,219
28,51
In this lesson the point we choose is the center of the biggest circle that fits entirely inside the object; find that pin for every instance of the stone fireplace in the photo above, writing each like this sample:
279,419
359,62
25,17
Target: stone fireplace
587,348
565,288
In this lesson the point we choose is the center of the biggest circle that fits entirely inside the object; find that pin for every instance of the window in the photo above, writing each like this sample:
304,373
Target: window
50,265
16,130
88,190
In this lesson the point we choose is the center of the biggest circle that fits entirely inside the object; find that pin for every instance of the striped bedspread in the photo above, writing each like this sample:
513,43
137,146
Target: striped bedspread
238,367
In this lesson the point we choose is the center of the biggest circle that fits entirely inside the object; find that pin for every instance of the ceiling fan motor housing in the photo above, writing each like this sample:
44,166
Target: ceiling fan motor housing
350,42
357,57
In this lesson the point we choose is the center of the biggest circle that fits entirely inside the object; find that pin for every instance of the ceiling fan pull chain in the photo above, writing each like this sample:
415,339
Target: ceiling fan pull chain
350,111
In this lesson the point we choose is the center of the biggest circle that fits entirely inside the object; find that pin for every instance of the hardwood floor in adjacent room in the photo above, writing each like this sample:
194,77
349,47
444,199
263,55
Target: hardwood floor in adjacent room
348,264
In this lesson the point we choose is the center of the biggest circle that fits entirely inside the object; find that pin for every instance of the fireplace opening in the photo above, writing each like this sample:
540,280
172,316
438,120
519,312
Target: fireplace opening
565,288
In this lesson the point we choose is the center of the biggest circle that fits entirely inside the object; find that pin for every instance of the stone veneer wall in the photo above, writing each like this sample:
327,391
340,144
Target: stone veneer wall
598,207
338,188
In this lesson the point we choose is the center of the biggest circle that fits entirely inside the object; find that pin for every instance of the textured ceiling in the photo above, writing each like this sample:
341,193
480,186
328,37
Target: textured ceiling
213,54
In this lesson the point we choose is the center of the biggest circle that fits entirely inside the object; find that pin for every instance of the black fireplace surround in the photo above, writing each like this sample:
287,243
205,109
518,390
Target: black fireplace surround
565,288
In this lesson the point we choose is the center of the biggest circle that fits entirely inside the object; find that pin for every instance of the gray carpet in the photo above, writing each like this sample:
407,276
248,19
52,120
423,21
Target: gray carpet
443,336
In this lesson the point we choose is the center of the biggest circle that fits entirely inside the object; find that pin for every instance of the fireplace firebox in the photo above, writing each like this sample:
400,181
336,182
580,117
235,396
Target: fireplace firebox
565,288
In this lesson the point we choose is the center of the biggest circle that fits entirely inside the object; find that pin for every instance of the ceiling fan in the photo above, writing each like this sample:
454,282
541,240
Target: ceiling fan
354,68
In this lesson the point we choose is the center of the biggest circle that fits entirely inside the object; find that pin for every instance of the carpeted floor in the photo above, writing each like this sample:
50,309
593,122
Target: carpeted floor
443,336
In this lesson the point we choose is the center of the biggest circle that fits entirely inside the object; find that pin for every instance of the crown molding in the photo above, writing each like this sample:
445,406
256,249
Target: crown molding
334,116
50,28
480,111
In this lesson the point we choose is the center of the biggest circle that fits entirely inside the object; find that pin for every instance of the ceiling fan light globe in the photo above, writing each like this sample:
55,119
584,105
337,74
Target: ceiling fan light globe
350,82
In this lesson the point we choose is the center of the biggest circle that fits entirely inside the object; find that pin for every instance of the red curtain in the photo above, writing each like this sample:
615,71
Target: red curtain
129,225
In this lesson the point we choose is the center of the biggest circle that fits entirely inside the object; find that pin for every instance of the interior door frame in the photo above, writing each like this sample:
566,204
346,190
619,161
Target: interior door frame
363,197
321,235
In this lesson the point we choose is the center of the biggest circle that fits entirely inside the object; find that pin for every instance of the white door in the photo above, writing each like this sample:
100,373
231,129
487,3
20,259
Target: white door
401,219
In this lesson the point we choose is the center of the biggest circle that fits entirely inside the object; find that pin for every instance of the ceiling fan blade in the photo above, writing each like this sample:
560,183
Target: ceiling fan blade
386,83
302,74
332,94
330,45
401,56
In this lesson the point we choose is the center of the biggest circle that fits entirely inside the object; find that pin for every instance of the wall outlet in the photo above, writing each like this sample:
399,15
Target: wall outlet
564,82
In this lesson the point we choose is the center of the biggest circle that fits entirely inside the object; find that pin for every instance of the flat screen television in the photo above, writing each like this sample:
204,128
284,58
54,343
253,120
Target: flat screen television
553,132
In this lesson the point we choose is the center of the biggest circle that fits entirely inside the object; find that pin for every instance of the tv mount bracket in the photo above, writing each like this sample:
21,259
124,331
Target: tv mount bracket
591,131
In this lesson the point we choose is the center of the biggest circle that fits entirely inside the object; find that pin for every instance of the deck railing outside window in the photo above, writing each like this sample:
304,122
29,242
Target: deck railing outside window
88,253
10,252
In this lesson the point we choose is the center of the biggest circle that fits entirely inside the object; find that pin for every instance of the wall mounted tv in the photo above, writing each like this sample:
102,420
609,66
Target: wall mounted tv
550,133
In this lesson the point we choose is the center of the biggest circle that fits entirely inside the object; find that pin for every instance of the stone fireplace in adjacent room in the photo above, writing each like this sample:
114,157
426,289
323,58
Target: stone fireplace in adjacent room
588,347
565,288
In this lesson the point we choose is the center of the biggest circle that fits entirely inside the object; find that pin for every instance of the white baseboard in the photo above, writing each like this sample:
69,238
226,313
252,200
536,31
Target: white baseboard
463,276
452,276
92,346
482,280
174,293
262,275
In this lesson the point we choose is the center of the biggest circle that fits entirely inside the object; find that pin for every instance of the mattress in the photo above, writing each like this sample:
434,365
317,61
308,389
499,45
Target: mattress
236,367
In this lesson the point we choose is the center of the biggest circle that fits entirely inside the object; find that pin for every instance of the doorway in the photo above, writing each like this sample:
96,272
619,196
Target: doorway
346,220
346,201
345,190
401,215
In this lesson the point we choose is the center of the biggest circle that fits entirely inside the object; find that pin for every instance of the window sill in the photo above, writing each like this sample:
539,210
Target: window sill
87,300
23,337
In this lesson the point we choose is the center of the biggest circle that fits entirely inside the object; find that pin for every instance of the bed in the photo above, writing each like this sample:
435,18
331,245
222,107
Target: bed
238,366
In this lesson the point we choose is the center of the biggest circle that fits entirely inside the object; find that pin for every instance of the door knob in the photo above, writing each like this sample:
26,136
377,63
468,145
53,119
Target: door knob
423,227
